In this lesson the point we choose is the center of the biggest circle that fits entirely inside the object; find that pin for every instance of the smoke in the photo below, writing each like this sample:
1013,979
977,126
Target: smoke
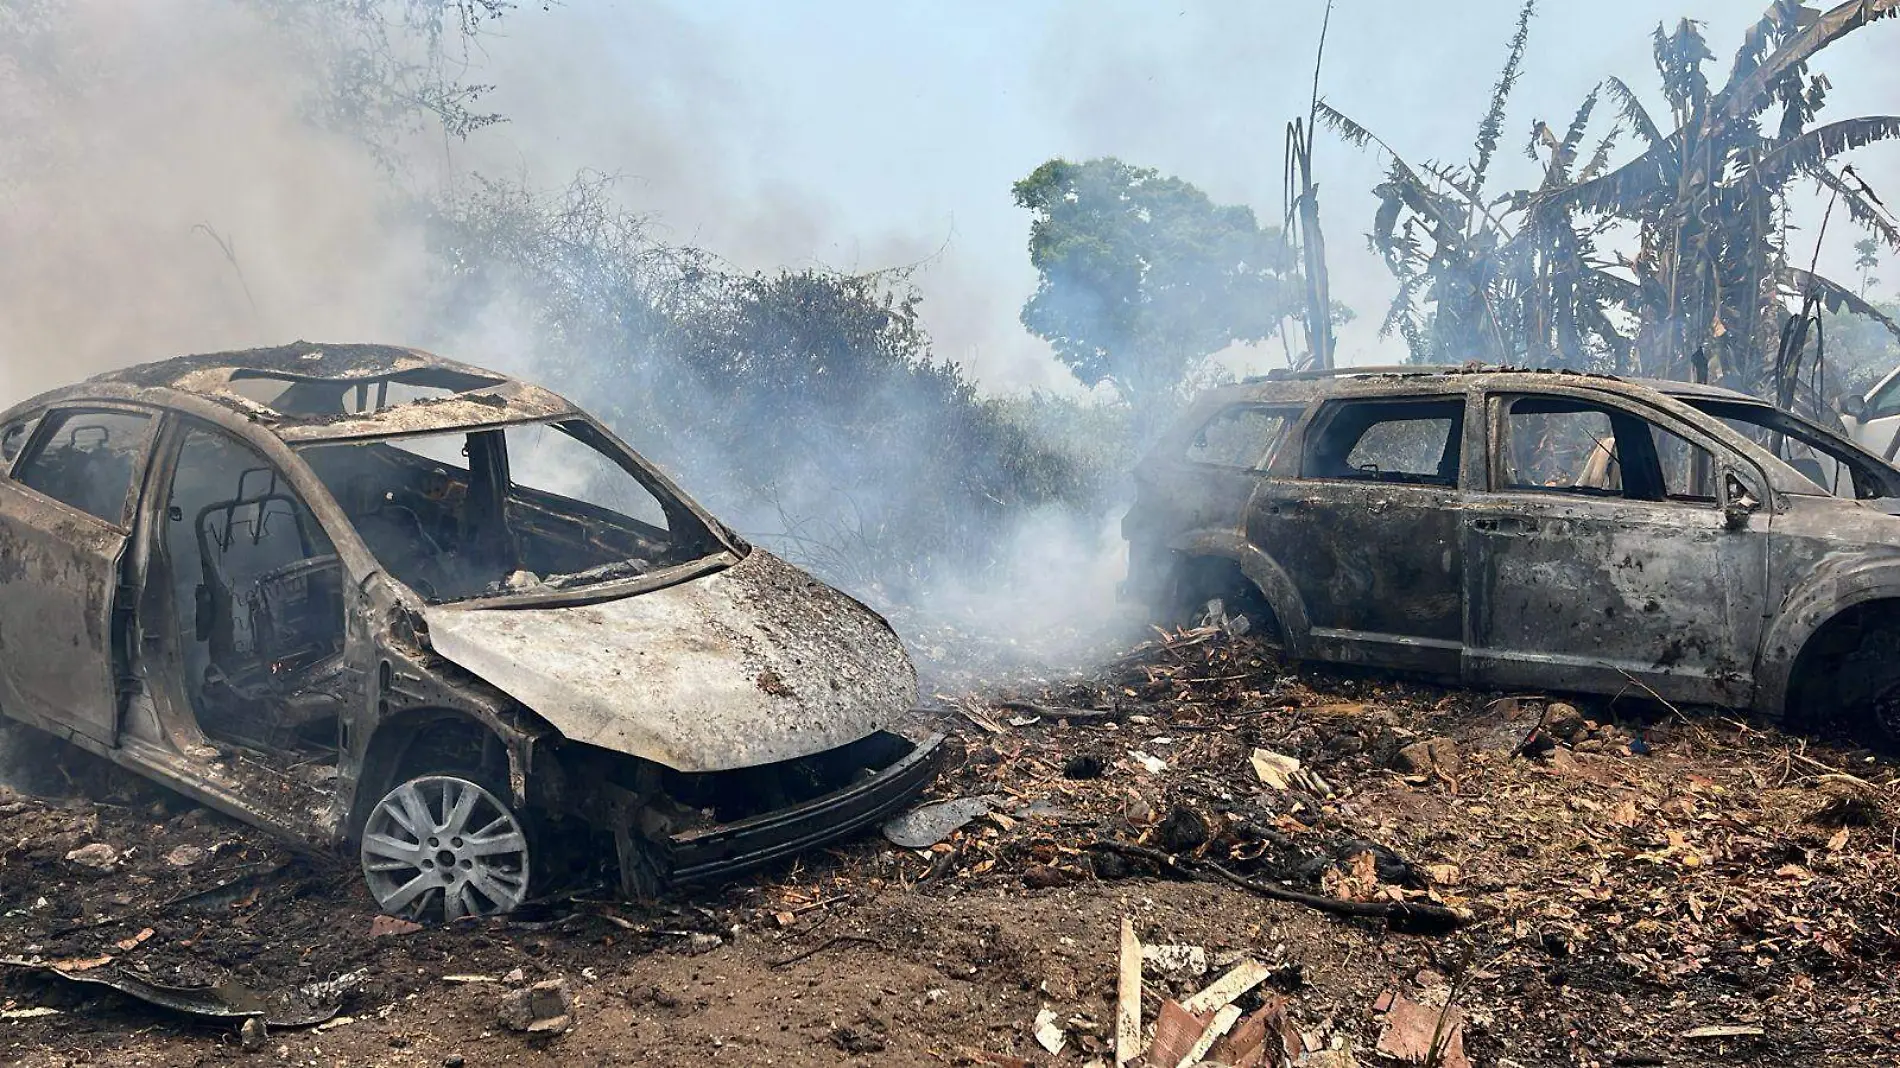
162,191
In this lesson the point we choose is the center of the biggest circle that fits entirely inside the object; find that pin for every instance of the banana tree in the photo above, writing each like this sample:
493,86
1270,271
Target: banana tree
1705,285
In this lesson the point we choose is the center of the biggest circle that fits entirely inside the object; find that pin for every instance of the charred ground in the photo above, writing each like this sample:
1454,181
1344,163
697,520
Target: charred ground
1647,877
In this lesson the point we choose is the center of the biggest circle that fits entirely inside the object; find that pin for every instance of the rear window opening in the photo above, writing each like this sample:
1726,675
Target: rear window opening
1243,437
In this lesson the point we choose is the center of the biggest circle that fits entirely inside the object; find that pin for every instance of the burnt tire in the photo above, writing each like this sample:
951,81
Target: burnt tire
444,846
1868,686
1198,581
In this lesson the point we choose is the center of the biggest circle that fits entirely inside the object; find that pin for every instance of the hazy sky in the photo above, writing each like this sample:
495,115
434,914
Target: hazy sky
865,134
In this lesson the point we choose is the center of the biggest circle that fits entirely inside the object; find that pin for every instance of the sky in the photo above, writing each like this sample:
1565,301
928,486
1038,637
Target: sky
865,135
162,191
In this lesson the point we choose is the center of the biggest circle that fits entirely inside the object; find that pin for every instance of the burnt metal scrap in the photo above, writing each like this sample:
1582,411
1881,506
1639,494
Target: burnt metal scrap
305,1006
1537,529
363,596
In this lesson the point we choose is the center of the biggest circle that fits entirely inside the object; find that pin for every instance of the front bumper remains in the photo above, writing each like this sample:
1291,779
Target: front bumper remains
707,853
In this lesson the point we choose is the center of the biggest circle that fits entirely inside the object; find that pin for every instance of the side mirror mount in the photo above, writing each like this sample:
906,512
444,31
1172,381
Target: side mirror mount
1853,406
1738,503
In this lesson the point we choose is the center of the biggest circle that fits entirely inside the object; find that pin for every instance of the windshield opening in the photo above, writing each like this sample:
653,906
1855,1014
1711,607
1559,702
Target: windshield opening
530,508
1834,464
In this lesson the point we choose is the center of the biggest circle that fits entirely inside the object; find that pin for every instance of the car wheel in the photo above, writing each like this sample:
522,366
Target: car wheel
441,847
1869,686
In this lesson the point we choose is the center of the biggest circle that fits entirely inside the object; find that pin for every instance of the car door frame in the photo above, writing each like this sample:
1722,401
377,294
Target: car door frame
34,525
1308,506
1735,532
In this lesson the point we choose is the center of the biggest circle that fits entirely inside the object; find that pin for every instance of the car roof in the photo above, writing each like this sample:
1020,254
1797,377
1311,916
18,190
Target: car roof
1395,378
301,391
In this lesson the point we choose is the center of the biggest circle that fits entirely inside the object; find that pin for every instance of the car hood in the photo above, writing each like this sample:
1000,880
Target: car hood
752,664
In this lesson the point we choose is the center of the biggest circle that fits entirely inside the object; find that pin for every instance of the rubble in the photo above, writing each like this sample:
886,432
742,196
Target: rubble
253,1035
926,825
1431,756
539,1010
1419,1034
98,856
1048,1035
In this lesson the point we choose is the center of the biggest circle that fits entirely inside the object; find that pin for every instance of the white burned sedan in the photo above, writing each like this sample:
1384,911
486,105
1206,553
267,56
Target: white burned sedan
358,594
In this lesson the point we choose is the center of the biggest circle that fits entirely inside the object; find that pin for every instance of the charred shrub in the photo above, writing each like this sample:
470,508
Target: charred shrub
806,407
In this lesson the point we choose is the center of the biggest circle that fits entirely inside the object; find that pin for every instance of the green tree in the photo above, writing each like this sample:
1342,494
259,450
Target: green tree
1867,261
1144,276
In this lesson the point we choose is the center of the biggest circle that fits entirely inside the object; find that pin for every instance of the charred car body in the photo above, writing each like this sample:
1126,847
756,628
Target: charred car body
1538,529
359,594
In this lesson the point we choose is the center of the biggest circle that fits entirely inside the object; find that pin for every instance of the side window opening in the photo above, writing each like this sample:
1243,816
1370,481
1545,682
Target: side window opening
1243,436
1563,445
1408,442
257,591
1560,446
13,438
86,460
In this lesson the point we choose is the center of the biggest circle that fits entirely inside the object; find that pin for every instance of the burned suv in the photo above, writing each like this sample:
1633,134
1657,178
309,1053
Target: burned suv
1543,530
359,594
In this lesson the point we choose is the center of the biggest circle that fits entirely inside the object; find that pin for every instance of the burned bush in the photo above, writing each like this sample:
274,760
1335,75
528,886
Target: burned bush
806,404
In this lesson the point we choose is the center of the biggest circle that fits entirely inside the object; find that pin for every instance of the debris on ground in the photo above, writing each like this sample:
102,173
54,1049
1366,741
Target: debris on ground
1048,1035
1418,1034
390,926
253,1035
541,1010
1617,906
926,825
98,856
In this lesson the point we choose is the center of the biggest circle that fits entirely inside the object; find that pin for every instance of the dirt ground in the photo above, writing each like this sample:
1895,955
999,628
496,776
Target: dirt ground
1643,887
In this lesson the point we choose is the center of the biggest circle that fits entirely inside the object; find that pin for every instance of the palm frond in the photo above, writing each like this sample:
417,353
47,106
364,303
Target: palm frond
1781,21
1752,93
1418,193
1860,206
1633,110
1835,297
1623,190
1679,59
1600,158
1491,128
1823,143
1349,131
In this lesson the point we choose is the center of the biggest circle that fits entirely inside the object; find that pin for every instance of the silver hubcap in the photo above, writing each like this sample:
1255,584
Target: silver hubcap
443,846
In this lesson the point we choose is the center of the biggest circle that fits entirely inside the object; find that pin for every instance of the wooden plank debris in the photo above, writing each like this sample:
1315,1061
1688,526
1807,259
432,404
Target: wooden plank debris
1128,997
1223,1022
1176,1032
1221,992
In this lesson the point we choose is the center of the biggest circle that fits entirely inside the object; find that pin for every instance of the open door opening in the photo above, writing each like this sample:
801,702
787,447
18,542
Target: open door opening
258,603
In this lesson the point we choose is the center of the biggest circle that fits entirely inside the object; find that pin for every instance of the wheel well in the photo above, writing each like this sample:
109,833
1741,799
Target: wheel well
1200,579
1813,684
421,742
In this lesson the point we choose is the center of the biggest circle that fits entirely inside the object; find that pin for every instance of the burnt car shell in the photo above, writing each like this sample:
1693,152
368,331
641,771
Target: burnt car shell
220,619
1537,529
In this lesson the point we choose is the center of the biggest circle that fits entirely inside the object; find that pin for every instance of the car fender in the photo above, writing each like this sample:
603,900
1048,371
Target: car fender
1265,572
1839,583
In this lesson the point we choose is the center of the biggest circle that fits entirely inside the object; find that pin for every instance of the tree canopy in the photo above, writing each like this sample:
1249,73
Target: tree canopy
1144,276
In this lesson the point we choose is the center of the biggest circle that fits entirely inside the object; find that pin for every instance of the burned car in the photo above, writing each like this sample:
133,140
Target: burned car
362,596
1543,530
